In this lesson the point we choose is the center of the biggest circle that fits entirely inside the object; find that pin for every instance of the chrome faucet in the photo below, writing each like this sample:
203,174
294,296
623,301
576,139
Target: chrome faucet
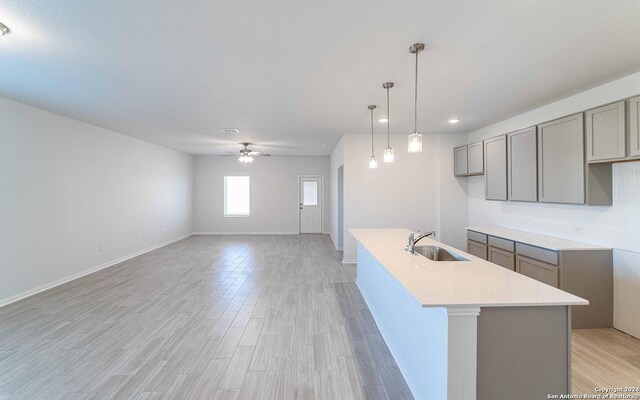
413,240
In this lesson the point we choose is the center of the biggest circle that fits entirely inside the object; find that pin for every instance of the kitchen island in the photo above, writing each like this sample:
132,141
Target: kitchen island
465,329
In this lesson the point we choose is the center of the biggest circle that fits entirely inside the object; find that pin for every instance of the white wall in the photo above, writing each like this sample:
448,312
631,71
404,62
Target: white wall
274,193
75,197
453,195
417,191
335,162
615,226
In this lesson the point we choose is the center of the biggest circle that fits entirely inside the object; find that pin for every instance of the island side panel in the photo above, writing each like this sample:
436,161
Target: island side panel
589,274
524,352
416,336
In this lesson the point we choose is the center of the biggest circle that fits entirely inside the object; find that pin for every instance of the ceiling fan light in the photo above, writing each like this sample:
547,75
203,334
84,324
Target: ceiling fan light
245,159
388,155
373,163
415,142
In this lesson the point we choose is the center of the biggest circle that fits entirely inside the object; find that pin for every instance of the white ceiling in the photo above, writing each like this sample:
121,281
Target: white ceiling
293,75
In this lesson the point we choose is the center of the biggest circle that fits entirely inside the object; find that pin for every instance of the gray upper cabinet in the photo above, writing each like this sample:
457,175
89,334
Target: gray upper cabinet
606,133
476,159
523,165
561,166
634,126
460,161
496,168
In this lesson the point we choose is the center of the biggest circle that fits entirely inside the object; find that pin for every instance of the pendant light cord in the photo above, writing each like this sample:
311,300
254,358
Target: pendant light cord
371,132
415,110
388,141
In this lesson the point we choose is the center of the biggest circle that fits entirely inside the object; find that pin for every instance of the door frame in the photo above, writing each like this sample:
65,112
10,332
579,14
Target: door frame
321,198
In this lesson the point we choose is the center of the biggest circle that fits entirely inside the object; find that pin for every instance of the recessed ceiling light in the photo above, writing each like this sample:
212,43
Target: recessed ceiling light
383,120
454,120
3,29
229,130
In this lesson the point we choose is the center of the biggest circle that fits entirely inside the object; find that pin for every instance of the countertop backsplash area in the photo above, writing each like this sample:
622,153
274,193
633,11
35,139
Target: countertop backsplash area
616,226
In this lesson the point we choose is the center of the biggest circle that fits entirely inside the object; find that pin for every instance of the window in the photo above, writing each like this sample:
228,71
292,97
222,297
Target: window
310,193
236,196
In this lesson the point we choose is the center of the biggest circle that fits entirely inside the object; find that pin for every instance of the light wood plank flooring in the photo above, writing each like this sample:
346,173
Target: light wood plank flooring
209,317
605,358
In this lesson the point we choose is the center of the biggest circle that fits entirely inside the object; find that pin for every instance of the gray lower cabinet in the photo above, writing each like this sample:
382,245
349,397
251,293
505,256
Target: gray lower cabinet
477,249
634,126
585,273
460,161
538,270
475,153
495,156
606,132
561,166
523,165
502,258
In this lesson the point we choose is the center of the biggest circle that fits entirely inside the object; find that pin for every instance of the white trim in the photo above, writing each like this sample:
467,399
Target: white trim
321,198
462,357
31,292
248,233
349,260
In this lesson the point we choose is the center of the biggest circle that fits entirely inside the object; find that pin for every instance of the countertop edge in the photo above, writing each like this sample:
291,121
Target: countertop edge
488,230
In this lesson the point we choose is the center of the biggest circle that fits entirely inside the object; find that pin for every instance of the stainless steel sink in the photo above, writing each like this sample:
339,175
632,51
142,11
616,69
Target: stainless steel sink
437,253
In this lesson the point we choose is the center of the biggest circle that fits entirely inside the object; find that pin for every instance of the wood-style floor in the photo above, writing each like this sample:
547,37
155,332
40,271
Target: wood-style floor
209,317
229,317
606,358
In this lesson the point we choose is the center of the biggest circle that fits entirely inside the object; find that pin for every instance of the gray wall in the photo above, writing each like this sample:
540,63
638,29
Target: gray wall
75,197
274,193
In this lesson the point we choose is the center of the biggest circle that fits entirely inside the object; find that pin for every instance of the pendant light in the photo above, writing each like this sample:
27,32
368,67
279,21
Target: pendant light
415,138
372,160
388,151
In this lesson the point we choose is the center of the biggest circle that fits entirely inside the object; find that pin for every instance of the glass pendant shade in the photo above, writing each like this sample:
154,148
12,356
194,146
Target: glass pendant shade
388,155
245,159
415,142
373,163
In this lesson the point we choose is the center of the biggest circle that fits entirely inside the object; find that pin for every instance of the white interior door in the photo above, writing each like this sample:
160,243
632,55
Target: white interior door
310,205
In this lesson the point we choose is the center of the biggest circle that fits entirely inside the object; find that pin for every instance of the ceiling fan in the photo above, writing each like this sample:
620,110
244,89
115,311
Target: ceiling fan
246,154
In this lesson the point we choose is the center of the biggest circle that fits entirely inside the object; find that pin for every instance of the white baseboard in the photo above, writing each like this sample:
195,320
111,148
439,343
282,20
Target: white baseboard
31,292
349,261
246,233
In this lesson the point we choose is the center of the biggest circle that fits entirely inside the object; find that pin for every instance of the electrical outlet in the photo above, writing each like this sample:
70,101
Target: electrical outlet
578,229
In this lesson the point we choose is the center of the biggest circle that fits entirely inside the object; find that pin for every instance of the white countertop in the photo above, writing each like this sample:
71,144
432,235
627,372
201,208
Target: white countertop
456,283
534,239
